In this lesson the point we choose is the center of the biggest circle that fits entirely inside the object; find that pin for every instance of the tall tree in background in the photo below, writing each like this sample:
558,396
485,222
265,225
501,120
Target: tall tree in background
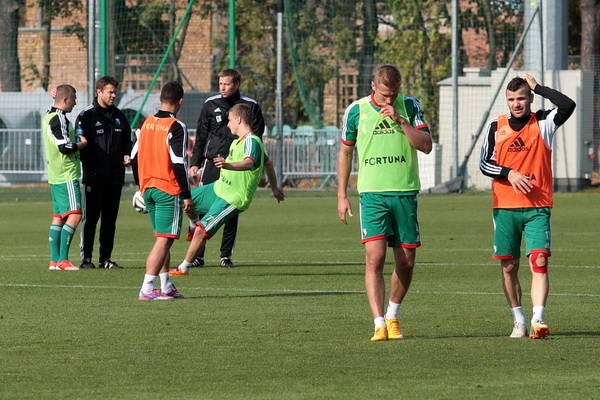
10,67
366,52
590,55
52,9
420,47
142,33
256,54
590,33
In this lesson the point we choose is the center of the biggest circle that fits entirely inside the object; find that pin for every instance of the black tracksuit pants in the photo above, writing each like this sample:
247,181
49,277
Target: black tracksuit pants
101,203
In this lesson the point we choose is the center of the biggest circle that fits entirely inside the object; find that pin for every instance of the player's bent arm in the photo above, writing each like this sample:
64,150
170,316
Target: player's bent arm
82,143
519,182
245,165
202,130
420,139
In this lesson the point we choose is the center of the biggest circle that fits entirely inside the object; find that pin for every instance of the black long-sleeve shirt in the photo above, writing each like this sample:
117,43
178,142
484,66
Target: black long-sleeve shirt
212,135
548,120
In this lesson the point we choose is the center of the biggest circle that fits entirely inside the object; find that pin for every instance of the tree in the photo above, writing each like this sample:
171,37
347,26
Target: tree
590,54
590,32
420,47
52,9
10,68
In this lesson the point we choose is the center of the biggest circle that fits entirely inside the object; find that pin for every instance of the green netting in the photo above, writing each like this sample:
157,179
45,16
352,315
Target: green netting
330,50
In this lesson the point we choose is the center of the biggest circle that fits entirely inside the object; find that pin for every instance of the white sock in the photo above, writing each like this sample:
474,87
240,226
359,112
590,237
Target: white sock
392,311
148,284
379,321
518,315
184,266
193,223
538,313
165,282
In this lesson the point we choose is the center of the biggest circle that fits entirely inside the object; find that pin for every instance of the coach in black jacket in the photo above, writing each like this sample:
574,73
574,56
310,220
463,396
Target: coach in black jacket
104,160
213,138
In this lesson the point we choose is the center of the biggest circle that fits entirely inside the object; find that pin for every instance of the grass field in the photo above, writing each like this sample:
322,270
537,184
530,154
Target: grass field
292,320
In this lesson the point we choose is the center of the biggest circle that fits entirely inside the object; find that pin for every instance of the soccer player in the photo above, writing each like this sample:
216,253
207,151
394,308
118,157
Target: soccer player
104,161
213,137
517,153
162,175
232,194
387,129
62,155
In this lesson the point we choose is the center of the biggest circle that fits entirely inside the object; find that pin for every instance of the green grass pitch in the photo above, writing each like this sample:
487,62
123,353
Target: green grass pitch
292,320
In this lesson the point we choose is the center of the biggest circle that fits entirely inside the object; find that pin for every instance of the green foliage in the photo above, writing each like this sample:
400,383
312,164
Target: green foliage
419,47
292,320
309,35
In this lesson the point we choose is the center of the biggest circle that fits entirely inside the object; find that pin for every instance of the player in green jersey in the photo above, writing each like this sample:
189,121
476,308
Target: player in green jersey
62,156
387,129
233,192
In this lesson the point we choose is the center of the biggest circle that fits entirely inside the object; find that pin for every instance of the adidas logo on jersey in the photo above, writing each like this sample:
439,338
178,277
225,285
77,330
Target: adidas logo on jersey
518,145
384,128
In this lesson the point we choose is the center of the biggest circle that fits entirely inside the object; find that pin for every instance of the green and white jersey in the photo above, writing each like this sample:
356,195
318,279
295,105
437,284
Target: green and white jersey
238,187
62,154
387,160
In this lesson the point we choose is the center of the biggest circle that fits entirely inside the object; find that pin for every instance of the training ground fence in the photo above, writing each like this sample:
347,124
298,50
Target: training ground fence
304,62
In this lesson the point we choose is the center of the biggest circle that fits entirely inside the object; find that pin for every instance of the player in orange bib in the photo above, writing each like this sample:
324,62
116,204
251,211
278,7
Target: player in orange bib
517,154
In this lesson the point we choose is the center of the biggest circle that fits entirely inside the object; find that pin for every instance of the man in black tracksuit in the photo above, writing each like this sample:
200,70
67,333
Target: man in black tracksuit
213,138
104,160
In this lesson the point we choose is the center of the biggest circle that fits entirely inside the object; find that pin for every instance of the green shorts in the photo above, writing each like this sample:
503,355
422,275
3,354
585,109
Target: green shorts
392,217
66,199
214,210
165,211
510,225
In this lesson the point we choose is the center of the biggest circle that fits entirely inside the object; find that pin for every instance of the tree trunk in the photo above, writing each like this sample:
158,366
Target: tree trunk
10,68
590,32
590,56
491,33
365,54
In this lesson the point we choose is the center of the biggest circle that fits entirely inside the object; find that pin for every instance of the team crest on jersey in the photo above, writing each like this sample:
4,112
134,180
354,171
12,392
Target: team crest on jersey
218,118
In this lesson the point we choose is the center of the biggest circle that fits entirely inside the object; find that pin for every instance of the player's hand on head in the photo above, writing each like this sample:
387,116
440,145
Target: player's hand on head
530,81
53,92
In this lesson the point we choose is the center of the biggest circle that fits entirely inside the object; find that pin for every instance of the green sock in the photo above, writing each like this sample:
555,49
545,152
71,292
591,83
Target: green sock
65,241
54,240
